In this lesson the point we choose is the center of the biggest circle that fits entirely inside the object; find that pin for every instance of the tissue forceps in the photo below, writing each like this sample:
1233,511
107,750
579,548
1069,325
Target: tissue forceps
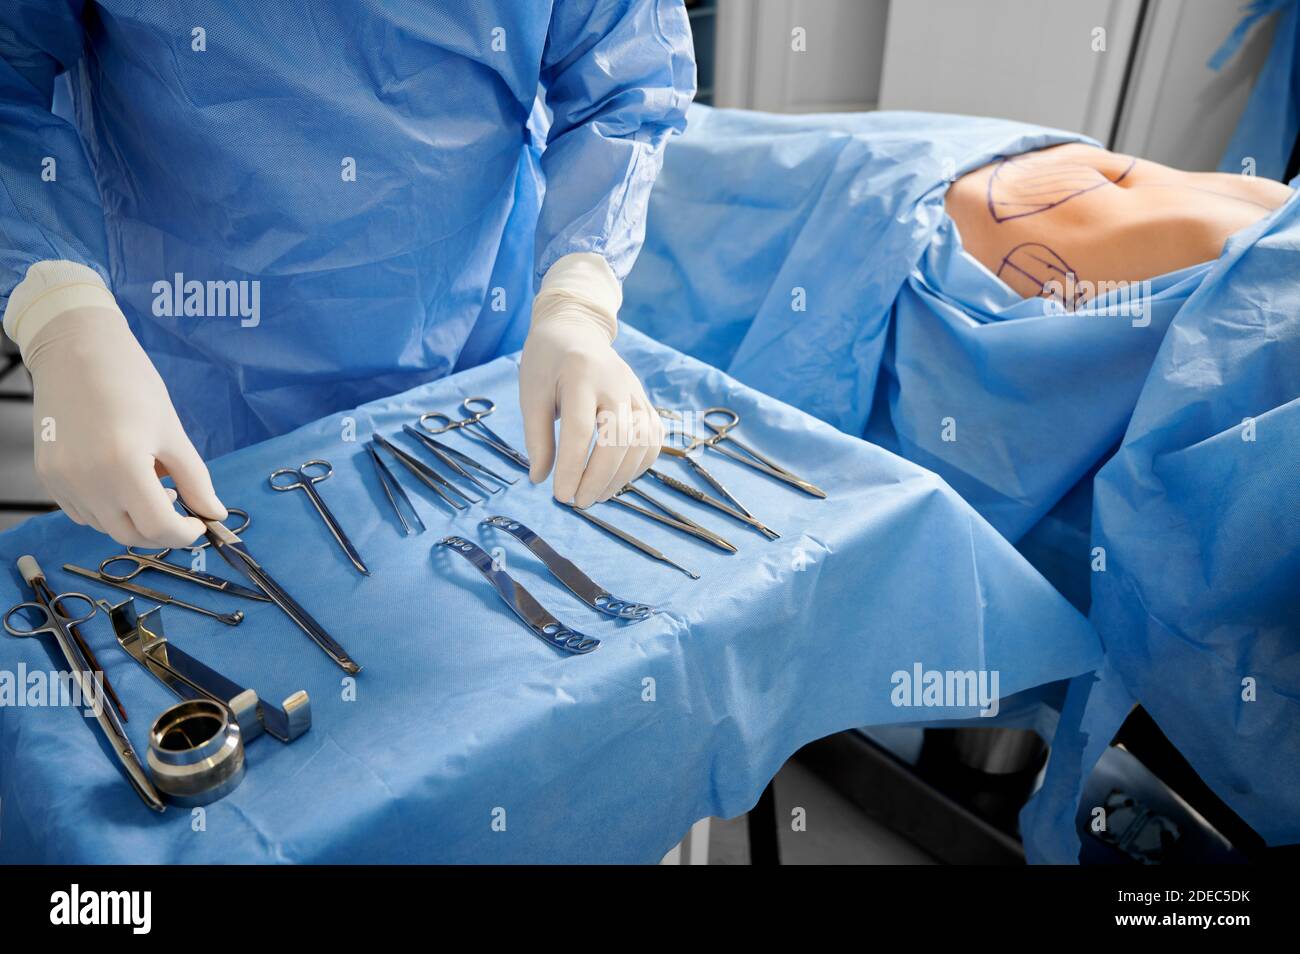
748,456
669,517
457,462
58,623
739,510
231,549
393,490
306,482
156,560
475,408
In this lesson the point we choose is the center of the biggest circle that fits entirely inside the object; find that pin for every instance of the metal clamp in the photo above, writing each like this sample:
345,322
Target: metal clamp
141,635
578,583
522,603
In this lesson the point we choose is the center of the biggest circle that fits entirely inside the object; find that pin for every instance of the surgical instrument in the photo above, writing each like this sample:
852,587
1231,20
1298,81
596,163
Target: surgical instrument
56,623
731,509
307,482
669,517
157,561
45,594
426,474
630,540
564,570
231,549
392,490
454,460
141,636
522,603
196,752
764,465
230,619
474,419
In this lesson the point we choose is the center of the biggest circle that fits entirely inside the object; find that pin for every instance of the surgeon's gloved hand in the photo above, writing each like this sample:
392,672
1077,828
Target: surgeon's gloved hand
569,369
104,426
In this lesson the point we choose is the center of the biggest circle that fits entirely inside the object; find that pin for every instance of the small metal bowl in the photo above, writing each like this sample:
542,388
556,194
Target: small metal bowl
196,753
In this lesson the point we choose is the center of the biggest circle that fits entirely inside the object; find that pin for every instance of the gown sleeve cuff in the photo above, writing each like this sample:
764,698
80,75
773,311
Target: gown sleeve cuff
49,289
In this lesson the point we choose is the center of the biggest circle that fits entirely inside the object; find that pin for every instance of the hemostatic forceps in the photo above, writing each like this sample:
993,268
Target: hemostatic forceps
58,623
721,420
472,426
156,560
306,482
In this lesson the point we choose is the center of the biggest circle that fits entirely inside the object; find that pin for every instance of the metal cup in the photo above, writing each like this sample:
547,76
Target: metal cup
196,753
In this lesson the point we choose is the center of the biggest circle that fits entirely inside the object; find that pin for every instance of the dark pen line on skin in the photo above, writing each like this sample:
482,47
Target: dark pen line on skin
992,203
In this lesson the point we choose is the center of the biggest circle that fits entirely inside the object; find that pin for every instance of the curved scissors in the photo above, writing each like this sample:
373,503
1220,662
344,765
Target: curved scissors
142,560
57,623
306,482
475,408
748,456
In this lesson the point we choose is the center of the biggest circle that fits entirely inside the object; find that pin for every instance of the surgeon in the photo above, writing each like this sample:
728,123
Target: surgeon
237,218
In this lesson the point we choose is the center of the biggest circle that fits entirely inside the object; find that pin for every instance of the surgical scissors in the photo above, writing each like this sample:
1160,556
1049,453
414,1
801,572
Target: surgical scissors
156,560
231,549
475,408
307,483
58,623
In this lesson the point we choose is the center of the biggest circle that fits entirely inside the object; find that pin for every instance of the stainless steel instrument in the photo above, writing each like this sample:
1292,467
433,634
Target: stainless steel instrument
156,560
141,636
472,426
393,490
232,550
731,509
522,603
564,570
722,420
456,461
230,619
196,752
306,482
56,623
670,517
630,540
426,474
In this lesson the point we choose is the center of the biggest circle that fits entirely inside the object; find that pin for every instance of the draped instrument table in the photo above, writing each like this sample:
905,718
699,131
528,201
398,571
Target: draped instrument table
465,738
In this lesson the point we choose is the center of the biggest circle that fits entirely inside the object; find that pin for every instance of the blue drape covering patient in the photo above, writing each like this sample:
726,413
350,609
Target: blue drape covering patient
812,257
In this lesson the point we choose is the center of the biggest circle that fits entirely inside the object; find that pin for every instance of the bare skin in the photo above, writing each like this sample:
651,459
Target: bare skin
1102,216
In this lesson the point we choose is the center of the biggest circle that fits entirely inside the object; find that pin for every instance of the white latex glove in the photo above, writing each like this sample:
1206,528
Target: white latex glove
113,426
569,369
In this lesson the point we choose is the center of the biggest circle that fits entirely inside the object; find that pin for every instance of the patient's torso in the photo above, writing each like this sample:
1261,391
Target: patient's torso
1076,215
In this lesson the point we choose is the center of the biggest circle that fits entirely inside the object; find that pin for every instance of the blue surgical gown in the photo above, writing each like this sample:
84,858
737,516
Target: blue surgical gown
371,166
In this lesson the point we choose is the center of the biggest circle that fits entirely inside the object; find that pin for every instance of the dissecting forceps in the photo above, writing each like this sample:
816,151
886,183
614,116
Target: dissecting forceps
564,570
427,475
732,509
307,482
630,540
475,408
57,623
669,517
522,603
392,490
456,461
157,561
230,619
231,549
748,456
